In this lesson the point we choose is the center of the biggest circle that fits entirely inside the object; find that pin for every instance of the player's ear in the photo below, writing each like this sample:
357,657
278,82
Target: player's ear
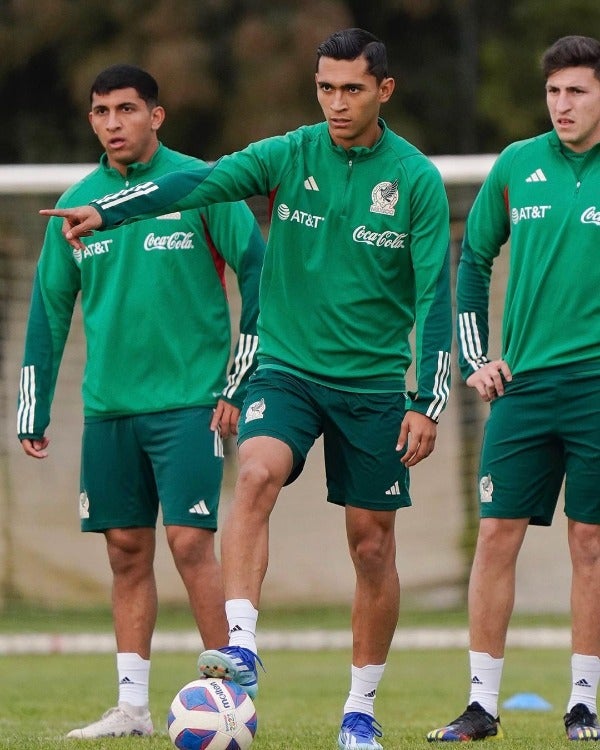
158,115
386,89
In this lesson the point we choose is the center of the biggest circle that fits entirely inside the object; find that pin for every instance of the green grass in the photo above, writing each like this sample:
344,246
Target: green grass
18,617
299,706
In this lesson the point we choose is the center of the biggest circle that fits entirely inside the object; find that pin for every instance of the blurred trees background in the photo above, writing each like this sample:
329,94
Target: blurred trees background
234,71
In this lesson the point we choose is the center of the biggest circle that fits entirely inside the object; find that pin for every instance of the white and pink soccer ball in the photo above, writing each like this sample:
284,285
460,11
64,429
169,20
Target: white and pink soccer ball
212,714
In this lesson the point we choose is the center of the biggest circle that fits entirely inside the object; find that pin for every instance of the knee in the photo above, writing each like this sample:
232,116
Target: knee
504,534
190,545
584,542
130,550
255,476
264,466
373,552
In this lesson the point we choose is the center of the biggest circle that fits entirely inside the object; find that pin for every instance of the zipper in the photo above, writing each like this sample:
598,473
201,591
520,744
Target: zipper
347,186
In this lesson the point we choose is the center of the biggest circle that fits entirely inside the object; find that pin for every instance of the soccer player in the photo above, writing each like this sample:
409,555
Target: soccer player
157,398
358,251
544,422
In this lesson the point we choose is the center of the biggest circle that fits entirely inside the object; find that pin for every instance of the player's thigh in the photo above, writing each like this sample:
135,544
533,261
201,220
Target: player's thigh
522,463
581,436
187,460
360,436
117,487
282,406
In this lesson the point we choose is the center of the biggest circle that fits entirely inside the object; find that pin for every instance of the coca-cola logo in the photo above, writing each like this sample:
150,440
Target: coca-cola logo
175,241
388,238
591,215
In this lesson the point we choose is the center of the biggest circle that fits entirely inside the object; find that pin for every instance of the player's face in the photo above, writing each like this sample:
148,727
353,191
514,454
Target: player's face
126,127
350,98
573,99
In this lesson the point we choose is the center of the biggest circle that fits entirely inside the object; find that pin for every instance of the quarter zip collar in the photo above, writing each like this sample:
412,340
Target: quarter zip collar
559,146
136,169
358,152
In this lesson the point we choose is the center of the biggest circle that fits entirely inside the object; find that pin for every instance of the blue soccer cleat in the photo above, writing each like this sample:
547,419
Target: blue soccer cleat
232,663
358,732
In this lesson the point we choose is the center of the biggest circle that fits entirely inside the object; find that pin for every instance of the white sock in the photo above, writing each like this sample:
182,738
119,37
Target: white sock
134,679
363,688
586,675
486,674
242,618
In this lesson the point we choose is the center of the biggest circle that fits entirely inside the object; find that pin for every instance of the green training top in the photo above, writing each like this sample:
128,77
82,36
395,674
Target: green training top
546,197
358,249
154,305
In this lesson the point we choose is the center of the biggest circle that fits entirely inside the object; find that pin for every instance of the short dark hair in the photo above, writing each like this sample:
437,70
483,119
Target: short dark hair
350,44
572,52
122,76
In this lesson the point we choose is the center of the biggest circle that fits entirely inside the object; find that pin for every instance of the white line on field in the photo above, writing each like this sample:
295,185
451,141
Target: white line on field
269,640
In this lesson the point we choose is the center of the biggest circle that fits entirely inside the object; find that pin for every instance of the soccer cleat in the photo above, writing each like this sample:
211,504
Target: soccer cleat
581,723
474,724
358,732
232,663
123,720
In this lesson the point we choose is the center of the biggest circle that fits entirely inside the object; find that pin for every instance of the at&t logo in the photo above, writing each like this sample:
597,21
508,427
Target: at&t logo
91,249
301,217
528,212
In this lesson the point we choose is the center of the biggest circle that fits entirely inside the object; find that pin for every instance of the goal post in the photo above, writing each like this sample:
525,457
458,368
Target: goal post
32,179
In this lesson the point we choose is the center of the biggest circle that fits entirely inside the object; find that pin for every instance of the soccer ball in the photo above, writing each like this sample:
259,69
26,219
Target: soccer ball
212,714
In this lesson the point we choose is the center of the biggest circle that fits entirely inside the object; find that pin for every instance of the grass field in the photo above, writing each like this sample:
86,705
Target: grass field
42,697
18,618
301,695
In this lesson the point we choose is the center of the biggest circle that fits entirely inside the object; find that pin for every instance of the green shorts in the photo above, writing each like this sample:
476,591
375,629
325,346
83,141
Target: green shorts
545,428
131,465
360,433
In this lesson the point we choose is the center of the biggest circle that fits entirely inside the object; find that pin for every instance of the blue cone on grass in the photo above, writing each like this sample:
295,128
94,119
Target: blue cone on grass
526,702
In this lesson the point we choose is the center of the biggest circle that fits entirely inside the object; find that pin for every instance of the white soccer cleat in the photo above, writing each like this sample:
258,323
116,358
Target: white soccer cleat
123,720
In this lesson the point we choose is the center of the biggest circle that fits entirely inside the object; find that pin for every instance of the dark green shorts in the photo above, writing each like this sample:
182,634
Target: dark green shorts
545,428
131,465
360,433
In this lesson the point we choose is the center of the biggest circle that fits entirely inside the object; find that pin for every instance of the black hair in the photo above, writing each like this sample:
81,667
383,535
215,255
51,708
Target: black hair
349,44
572,52
122,76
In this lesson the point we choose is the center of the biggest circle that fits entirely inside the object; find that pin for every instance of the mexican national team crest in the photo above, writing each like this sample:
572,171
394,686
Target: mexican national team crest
255,411
84,505
486,489
384,197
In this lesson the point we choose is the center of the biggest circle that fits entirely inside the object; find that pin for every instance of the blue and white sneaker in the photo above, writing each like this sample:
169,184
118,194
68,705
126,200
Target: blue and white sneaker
233,663
358,732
